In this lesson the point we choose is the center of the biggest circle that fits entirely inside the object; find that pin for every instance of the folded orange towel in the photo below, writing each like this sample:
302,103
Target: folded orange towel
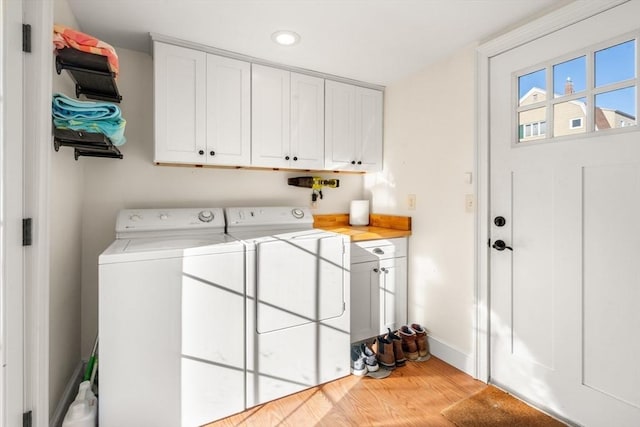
68,37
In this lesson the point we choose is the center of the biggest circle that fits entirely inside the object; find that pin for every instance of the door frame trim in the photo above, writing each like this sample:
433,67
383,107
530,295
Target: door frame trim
562,17
37,91
12,254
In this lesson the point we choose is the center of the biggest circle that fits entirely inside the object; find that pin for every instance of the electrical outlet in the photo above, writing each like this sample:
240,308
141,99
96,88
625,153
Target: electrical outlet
411,202
469,203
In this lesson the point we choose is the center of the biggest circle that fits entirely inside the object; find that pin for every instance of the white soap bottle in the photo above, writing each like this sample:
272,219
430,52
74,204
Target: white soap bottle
82,411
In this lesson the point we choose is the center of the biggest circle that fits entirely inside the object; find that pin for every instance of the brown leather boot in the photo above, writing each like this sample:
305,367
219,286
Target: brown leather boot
409,345
384,353
421,341
395,339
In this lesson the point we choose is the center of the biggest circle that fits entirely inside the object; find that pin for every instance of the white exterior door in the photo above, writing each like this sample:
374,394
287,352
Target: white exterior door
12,367
564,301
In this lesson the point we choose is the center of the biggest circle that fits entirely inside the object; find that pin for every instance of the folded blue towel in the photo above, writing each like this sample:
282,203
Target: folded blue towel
89,116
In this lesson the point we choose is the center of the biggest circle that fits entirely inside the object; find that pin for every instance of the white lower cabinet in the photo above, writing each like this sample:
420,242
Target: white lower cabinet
378,287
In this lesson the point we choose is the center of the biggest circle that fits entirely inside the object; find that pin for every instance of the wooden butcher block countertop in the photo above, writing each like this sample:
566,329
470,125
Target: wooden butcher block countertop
380,226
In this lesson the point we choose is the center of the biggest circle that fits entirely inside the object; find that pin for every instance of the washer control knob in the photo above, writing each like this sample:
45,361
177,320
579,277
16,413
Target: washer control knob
205,216
164,216
297,213
135,217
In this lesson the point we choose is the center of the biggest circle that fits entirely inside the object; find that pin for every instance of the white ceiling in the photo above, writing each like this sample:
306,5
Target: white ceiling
374,41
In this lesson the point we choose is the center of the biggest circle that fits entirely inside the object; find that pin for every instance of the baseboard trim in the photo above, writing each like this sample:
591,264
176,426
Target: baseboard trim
69,394
452,356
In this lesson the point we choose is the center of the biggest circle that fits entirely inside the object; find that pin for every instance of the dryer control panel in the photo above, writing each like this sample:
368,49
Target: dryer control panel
266,218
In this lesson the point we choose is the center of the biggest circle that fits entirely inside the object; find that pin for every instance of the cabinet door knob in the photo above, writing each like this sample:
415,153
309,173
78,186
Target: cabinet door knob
212,153
359,162
375,270
295,159
201,152
286,157
353,162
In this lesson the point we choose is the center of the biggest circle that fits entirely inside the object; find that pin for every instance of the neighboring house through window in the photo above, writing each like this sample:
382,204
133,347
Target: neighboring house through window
594,91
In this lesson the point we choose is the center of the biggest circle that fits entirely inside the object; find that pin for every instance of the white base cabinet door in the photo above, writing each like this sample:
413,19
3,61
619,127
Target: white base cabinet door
378,287
365,297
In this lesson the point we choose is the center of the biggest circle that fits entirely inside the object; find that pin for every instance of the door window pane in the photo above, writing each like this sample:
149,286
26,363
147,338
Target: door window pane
570,77
532,87
569,117
616,63
616,109
532,124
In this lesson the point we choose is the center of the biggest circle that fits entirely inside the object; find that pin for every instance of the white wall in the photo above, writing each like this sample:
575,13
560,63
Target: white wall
429,146
135,182
66,209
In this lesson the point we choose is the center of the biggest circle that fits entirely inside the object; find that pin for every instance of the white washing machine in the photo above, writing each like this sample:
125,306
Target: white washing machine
297,306
171,320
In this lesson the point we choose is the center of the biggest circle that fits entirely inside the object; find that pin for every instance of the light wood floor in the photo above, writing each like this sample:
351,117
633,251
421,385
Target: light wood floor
412,395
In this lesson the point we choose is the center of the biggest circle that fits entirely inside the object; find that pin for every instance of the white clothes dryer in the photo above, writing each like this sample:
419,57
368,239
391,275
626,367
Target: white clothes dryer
297,306
171,316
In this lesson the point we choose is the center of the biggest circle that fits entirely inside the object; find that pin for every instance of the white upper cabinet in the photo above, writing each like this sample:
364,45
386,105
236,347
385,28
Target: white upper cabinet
307,121
180,104
353,128
202,113
216,110
287,119
228,111
270,110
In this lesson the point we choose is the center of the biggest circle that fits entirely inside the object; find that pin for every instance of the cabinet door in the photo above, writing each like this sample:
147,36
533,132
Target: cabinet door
307,122
368,118
270,108
340,135
180,104
393,293
228,111
365,300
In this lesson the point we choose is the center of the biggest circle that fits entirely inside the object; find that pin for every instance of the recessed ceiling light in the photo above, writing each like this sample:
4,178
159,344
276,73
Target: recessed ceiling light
285,38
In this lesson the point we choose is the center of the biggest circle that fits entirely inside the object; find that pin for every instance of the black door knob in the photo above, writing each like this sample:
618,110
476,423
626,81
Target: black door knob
201,152
359,162
499,221
353,162
212,153
500,245
286,157
295,159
